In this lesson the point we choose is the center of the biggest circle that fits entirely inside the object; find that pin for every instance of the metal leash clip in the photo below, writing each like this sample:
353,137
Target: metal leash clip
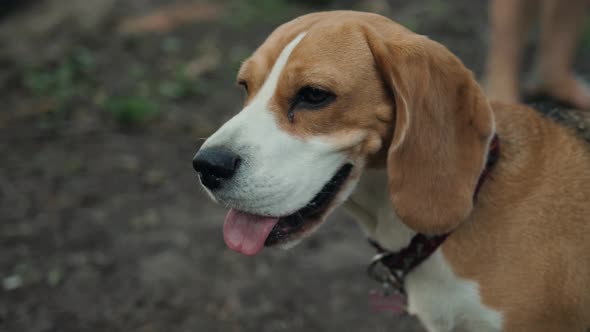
392,296
391,280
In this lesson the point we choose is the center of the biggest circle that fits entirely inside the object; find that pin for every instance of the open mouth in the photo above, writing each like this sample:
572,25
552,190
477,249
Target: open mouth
311,212
248,233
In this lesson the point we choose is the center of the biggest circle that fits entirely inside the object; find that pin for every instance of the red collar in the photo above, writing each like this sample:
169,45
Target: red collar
493,154
400,263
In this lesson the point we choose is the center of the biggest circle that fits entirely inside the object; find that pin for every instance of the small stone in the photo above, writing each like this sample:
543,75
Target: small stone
12,282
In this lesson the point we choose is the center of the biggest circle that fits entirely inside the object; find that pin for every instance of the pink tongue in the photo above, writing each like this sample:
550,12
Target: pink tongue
246,233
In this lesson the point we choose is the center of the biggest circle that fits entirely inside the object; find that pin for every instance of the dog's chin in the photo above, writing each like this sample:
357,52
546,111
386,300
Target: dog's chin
290,229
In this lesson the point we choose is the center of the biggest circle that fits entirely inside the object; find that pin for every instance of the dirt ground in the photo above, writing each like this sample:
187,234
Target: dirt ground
102,224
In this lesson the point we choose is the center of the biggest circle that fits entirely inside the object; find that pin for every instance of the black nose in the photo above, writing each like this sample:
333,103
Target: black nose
215,165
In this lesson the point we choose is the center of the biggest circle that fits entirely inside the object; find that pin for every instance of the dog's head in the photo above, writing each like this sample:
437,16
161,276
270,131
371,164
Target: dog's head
328,95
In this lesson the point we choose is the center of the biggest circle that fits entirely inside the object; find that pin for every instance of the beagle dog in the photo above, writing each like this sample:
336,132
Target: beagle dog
351,108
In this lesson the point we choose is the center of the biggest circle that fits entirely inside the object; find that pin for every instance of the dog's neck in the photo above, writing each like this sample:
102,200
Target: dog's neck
369,204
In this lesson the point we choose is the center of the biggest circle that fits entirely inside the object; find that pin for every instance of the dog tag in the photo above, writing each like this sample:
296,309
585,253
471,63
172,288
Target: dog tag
388,301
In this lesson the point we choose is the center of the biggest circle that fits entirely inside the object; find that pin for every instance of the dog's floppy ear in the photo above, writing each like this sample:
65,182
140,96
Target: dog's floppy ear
443,126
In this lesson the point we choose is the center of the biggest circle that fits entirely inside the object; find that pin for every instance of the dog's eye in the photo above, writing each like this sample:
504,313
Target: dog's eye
243,84
311,97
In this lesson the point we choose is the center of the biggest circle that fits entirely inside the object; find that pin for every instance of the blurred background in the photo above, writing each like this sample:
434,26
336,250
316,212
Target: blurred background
103,226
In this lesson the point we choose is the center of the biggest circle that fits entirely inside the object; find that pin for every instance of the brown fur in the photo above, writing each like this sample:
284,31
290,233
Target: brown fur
443,124
526,242
313,63
407,99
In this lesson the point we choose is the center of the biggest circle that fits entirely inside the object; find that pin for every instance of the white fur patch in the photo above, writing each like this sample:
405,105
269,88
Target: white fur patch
279,173
445,302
